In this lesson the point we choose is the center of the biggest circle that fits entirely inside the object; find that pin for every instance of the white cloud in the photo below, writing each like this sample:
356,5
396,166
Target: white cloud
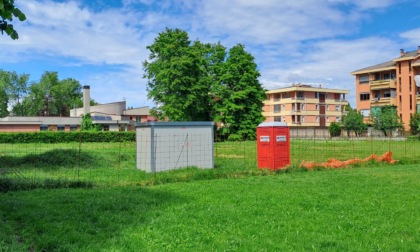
411,37
292,41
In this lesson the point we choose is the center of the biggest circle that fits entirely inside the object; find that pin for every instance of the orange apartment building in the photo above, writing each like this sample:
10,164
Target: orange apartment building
305,105
390,83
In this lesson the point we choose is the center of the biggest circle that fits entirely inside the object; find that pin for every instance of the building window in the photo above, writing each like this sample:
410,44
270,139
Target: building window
409,84
363,79
411,102
73,127
138,119
283,106
399,68
387,76
61,127
337,119
399,84
377,76
277,119
277,108
317,119
409,66
283,119
316,107
364,96
303,118
337,107
105,128
316,95
400,103
43,127
276,97
328,119
303,106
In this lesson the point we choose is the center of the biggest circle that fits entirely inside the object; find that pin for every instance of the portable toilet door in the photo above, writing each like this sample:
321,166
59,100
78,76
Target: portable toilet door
273,145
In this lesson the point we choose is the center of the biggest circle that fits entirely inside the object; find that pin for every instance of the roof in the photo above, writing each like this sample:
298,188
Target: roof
137,111
302,87
272,124
416,63
407,56
40,120
390,65
175,124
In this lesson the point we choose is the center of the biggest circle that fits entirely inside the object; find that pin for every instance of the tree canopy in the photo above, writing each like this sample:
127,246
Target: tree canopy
353,121
8,11
414,123
387,120
50,96
194,81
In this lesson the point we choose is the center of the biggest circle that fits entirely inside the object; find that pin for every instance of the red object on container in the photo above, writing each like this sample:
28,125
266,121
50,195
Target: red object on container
273,145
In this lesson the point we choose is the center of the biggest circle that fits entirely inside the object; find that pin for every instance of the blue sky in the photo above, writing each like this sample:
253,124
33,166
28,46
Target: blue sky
103,43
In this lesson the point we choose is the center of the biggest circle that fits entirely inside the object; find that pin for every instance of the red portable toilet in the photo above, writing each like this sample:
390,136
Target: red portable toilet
273,141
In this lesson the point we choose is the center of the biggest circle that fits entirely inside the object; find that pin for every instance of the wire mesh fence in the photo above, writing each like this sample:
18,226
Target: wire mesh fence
116,163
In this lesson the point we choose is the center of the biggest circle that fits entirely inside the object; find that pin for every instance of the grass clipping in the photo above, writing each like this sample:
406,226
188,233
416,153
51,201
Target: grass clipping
334,163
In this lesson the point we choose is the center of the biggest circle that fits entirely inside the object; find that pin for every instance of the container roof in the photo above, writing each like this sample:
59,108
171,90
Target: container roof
273,124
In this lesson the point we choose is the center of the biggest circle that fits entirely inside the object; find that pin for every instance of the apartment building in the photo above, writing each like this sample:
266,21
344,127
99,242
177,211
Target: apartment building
390,83
305,106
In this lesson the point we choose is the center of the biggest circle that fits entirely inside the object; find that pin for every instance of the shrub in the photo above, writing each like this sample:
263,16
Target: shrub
66,137
334,129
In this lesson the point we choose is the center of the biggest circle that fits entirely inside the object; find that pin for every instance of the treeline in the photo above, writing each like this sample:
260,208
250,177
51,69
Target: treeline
50,96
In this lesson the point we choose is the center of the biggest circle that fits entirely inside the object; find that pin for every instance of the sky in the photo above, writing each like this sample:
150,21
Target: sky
103,43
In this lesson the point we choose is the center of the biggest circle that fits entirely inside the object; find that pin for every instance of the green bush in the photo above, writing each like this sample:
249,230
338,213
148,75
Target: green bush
334,129
67,137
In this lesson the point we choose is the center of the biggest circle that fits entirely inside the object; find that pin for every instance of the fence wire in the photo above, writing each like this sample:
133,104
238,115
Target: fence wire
120,163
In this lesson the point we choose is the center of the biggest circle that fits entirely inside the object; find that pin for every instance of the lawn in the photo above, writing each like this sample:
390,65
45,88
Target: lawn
90,197
114,164
353,209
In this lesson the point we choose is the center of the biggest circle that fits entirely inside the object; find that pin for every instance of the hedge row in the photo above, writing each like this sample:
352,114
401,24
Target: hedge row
66,137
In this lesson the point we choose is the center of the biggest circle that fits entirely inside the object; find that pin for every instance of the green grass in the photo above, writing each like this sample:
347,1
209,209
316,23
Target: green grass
353,209
113,164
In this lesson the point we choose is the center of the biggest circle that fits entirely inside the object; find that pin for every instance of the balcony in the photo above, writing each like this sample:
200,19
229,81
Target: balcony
382,84
299,98
384,101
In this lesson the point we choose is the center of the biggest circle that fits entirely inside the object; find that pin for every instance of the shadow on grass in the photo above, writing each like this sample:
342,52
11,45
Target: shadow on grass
78,219
49,160
21,184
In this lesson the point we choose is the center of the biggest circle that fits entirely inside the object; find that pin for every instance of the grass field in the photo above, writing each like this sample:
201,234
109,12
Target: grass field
352,209
113,164
90,197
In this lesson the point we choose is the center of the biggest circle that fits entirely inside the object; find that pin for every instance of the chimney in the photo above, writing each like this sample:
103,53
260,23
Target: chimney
402,52
86,100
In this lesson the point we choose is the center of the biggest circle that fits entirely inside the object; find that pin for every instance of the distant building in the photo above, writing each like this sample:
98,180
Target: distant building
395,83
305,106
112,116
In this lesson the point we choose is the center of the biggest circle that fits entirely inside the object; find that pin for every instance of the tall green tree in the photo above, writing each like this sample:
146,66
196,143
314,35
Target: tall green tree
239,95
415,124
52,96
174,72
8,11
195,82
4,100
16,89
353,122
387,120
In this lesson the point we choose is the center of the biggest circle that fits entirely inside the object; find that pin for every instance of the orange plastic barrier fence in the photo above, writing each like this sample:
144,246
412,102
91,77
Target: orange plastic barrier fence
334,163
